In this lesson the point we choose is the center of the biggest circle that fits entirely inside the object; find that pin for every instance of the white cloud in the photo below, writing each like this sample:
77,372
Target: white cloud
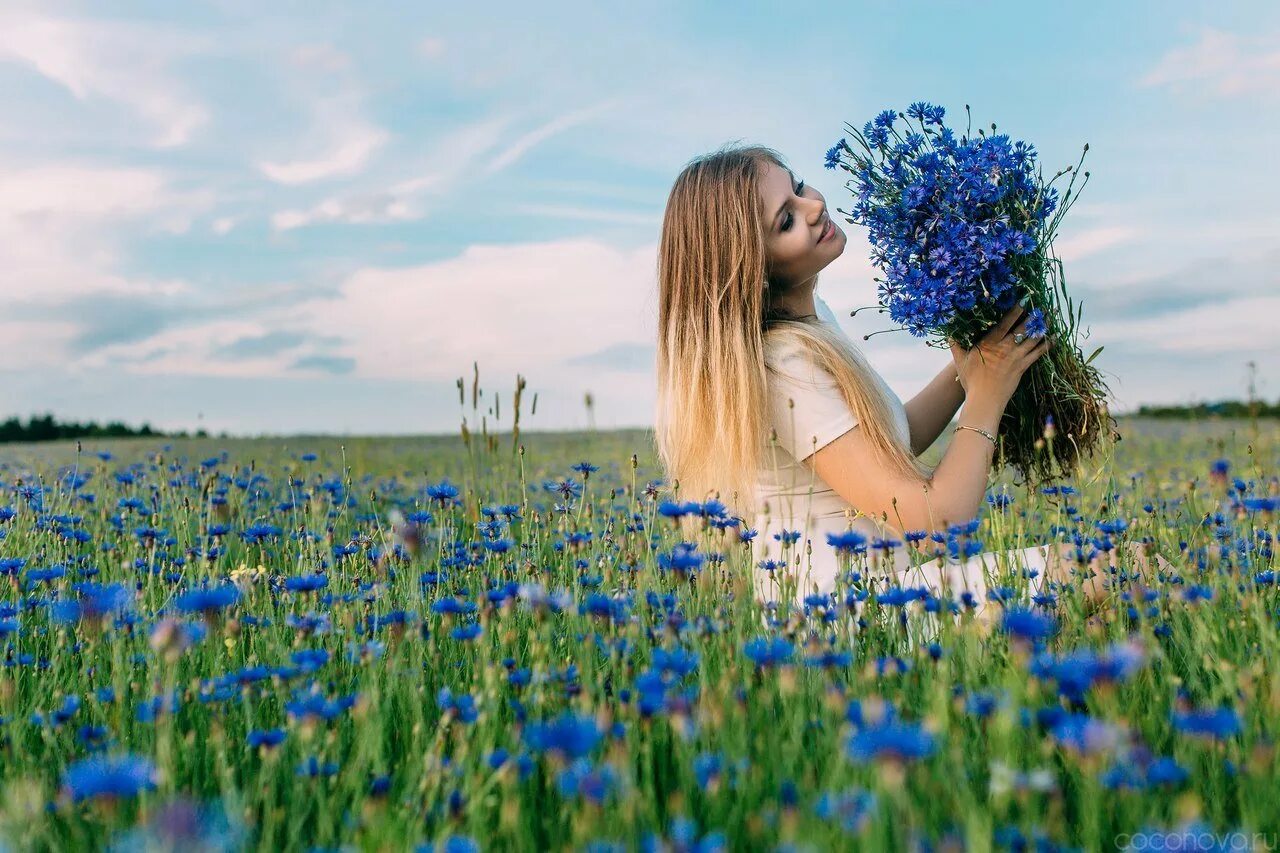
525,307
1075,247
593,214
188,350
129,63
348,143
320,57
28,344
517,149
519,307
461,154
339,139
1221,63
59,224
223,225
452,160
1240,326
431,47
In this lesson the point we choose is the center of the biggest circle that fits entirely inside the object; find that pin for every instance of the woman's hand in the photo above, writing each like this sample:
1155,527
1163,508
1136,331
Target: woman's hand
994,366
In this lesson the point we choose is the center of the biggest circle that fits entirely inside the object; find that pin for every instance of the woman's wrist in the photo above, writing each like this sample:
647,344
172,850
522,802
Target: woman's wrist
983,411
955,376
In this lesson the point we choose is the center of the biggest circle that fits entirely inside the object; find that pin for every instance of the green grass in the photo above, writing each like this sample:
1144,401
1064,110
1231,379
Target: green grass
406,773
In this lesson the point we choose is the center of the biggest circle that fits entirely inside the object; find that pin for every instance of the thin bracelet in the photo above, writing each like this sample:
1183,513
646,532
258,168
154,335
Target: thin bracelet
983,431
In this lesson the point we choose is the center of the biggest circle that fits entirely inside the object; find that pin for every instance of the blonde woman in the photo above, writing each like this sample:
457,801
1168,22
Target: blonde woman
765,404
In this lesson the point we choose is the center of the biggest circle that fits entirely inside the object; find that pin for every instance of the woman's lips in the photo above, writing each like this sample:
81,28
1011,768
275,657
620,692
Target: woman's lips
827,231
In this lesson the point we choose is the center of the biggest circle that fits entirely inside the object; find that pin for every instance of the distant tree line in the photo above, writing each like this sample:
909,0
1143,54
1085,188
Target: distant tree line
1223,409
45,428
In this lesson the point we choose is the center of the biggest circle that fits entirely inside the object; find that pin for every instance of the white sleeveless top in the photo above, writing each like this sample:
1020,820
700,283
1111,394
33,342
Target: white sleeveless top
791,495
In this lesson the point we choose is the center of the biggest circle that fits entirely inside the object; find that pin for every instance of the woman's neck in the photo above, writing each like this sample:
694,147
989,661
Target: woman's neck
799,300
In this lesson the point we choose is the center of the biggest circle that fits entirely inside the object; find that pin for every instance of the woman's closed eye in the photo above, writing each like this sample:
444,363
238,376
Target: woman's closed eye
786,222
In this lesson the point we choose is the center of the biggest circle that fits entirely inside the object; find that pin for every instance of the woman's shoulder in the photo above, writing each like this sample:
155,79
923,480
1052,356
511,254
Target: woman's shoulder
828,316
783,349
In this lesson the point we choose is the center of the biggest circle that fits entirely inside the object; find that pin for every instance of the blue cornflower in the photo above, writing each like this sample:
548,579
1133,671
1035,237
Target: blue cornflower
832,158
1212,723
1035,324
266,738
678,509
852,808
847,541
109,776
309,660
1197,592
444,492
467,632
312,768
885,119
683,836
1085,734
593,784
830,659
678,661
313,705
306,583
891,740
461,706
92,602
207,600
1142,772
981,704
35,576
453,606
452,844
788,537
682,560
570,735
769,651
70,705
899,596
1027,624
258,532
1077,671
707,769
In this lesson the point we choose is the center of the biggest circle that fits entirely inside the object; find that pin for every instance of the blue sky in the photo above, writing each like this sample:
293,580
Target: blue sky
317,219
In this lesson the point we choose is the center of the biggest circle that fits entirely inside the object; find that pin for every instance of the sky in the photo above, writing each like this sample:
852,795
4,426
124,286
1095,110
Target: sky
319,219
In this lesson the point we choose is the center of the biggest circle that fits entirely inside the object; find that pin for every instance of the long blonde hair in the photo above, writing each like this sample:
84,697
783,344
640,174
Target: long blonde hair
717,324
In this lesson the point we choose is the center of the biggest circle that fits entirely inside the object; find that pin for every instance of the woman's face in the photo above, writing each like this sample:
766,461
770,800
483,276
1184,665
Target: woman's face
797,240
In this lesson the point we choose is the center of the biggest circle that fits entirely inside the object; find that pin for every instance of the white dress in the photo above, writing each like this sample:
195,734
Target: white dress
794,498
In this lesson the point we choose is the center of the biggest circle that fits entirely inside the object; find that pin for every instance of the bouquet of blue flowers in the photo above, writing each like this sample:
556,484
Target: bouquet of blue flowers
962,230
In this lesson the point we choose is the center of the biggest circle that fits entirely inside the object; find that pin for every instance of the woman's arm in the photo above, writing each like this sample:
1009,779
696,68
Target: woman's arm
932,409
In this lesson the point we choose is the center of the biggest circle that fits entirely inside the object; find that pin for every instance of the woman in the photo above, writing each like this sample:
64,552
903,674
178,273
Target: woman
759,393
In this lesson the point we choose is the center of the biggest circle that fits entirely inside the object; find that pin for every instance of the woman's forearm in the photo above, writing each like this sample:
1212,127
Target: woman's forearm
932,409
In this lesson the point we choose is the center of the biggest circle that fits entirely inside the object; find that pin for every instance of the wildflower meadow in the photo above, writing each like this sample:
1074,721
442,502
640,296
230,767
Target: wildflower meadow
533,642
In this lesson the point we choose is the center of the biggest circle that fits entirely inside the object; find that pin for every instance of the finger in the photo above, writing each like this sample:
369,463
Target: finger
1006,322
1038,350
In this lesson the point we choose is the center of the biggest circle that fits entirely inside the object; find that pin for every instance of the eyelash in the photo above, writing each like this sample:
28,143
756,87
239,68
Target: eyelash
786,224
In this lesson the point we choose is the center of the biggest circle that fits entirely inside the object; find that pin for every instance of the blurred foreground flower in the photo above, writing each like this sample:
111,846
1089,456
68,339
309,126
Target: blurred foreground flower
109,776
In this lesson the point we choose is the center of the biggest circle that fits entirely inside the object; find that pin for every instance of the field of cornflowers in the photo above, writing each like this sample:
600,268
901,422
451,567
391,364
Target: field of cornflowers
461,644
